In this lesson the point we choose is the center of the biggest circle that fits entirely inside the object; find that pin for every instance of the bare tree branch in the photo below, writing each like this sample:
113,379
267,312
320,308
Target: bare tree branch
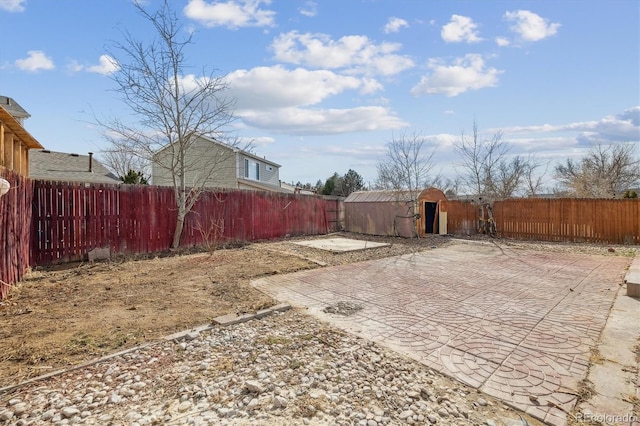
604,172
406,166
171,109
489,172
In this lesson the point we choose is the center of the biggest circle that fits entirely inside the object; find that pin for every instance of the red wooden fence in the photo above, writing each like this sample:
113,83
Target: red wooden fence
555,219
70,219
15,219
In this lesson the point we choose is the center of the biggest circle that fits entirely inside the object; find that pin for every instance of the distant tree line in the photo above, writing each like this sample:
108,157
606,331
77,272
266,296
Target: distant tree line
336,184
486,170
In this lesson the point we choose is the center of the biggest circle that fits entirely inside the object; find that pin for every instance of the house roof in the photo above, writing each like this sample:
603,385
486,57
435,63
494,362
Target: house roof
9,120
234,149
259,185
13,107
63,166
255,157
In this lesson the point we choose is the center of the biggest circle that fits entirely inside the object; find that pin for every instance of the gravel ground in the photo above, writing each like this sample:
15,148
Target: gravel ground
285,369
399,246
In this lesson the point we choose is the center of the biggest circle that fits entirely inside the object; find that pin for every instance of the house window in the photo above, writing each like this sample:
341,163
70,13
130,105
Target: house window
251,169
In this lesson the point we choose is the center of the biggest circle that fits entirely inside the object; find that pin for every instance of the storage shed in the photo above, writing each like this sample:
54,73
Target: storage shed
396,213
432,208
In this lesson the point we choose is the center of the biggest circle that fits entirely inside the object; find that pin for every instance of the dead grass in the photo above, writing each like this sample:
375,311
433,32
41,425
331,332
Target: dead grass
65,315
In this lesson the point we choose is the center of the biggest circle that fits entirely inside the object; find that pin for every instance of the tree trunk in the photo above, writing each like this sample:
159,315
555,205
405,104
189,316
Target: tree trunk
178,233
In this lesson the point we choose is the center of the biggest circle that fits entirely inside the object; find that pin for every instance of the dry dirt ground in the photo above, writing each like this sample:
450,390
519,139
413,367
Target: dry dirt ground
65,315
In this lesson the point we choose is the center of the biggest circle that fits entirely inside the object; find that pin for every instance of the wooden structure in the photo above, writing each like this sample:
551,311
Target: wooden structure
432,211
605,221
15,229
380,213
70,219
396,213
15,141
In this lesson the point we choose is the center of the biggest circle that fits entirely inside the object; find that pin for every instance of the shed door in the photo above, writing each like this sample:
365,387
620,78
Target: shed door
430,211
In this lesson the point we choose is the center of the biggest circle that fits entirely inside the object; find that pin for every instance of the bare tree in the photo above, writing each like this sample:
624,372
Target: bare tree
172,110
450,186
507,178
604,172
406,165
534,176
480,161
406,169
489,172
121,162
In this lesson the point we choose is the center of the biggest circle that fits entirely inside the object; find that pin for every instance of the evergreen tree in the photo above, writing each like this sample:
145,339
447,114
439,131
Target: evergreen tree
134,178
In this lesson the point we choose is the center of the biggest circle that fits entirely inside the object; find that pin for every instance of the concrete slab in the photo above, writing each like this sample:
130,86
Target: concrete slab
340,245
235,318
516,324
615,378
632,279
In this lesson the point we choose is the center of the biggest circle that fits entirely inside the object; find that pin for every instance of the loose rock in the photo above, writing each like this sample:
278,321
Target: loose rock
283,369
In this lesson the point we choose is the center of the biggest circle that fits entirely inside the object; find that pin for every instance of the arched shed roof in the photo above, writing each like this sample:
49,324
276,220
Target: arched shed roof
432,194
381,196
378,196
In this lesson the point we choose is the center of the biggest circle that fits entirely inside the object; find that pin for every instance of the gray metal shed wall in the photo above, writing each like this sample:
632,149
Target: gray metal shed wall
378,218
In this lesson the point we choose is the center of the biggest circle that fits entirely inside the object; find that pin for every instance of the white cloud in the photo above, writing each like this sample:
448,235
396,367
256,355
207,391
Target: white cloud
459,29
257,141
370,86
281,100
310,8
191,83
230,14
623,127
107,65
530,26
467,73
301,121
395,24
542,146
355,54
356,150
36,61
276,87
75,66
12,5
502,41
449,112
442,140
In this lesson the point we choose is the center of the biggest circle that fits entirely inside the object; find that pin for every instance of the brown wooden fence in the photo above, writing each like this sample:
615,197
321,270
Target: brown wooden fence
15,220
70,219
555,219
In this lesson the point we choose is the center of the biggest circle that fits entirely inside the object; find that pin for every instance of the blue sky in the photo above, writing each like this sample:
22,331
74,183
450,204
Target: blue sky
322,85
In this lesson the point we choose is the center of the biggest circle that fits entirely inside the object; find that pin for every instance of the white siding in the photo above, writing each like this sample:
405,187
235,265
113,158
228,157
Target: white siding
213,164
207,164
269,177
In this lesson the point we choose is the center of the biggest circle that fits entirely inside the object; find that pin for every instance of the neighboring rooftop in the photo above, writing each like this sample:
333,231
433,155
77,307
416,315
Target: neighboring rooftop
63,166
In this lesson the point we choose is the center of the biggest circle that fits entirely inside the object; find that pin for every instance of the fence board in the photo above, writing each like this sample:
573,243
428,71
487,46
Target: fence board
70,219
603,221
15,221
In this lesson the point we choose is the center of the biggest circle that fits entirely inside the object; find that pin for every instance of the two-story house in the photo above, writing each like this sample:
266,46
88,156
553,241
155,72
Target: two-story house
213,164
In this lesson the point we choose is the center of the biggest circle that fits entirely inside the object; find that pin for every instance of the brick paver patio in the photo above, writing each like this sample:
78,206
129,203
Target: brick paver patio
516,324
